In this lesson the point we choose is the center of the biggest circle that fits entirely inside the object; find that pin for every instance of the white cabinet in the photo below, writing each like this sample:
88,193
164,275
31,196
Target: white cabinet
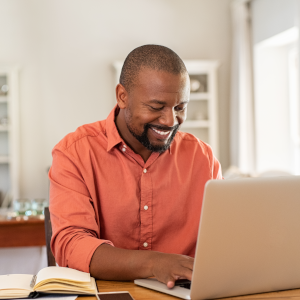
9,133
202,114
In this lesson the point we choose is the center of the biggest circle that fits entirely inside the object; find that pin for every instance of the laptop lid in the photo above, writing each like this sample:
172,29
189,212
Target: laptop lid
249,237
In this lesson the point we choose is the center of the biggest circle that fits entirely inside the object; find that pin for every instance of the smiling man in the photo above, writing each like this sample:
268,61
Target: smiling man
126,193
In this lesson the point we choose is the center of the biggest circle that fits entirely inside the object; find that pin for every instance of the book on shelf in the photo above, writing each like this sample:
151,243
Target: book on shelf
50,280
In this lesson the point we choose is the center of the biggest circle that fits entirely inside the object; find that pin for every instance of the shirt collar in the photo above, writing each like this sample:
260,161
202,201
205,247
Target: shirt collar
112,133
113,136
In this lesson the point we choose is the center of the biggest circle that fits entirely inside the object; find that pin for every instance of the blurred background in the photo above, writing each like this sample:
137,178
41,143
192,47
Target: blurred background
59,63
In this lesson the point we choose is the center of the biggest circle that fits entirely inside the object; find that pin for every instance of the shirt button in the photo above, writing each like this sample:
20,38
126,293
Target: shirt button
145,244
145,171
123,149
146,207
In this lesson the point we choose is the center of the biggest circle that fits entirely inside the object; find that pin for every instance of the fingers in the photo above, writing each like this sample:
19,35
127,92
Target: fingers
181,273
170,284
170,267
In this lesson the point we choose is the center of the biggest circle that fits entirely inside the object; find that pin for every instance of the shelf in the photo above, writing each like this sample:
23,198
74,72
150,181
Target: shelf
4,128
195,124
4,159
9,133
3,99
199,96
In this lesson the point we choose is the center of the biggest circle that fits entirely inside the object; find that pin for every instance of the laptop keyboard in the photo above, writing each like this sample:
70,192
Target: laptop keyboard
185,283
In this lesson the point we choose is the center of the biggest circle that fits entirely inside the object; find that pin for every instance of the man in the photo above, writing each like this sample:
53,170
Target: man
126,192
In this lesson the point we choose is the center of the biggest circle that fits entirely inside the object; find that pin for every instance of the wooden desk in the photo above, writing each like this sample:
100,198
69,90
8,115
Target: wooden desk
22,233
139,293
136,291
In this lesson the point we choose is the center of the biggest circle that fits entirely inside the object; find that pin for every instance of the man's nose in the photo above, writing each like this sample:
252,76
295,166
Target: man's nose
169,118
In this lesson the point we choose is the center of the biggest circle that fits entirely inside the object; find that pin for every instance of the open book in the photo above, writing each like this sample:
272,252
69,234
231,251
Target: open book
56,280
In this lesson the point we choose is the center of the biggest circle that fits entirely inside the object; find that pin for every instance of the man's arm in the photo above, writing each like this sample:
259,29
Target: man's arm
110,263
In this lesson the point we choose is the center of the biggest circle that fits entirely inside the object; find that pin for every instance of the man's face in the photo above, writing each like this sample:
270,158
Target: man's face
157,105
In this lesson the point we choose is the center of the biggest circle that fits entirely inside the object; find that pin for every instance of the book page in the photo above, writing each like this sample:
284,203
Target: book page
62,273
59,297
15,281
69,288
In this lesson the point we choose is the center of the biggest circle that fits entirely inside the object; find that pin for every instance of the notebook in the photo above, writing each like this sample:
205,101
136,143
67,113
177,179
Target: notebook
50,280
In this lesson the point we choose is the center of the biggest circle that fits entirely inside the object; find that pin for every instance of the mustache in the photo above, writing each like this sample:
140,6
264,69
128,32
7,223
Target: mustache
164,128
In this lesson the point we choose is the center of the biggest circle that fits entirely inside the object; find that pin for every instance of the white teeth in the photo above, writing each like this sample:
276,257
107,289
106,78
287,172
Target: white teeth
161,132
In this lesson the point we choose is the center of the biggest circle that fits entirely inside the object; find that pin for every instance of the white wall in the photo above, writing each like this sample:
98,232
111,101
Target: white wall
22,260
65,49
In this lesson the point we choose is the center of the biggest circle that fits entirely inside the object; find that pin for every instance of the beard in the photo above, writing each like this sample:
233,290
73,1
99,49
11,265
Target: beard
144,140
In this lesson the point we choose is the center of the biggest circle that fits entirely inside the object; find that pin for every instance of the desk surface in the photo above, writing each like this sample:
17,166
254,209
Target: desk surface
139,293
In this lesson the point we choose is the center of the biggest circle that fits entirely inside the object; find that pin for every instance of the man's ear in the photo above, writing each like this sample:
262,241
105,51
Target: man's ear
122,96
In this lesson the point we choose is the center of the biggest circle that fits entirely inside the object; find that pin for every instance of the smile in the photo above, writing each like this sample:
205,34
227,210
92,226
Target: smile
162,133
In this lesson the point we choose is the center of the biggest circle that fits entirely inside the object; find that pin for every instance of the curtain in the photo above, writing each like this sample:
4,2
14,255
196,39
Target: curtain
242,132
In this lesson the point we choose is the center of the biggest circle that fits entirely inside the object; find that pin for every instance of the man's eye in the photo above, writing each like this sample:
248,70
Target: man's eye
180,108
157,108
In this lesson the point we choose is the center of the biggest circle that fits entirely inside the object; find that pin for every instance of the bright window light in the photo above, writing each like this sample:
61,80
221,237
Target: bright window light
286,37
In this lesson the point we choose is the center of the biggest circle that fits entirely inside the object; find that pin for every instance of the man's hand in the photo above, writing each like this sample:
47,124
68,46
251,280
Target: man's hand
110,263
168,268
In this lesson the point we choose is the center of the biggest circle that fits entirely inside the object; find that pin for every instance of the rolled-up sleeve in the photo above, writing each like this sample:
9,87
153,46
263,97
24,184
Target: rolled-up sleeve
75,225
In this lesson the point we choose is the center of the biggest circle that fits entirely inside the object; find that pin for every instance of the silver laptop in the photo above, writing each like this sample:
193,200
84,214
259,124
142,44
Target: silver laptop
248,240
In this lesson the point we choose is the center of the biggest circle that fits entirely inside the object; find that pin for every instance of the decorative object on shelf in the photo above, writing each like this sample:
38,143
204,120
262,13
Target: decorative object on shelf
198,83
25,208
38,205
22,207
194,85
4,89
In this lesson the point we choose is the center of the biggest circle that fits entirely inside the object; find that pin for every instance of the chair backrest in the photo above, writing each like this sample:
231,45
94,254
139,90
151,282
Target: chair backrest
48,233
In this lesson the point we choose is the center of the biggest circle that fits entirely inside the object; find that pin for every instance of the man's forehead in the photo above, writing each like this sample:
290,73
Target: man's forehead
163,102
162,81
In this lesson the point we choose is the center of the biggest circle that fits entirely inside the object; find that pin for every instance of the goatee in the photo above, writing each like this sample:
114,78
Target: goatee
143,138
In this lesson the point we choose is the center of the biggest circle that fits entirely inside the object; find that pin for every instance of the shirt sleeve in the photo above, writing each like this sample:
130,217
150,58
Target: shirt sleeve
75,225
216,170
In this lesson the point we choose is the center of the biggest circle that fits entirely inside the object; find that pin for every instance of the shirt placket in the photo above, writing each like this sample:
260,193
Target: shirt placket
146,205
146,212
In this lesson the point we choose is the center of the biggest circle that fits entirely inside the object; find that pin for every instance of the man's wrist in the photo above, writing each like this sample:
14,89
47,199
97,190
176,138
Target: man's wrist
152,261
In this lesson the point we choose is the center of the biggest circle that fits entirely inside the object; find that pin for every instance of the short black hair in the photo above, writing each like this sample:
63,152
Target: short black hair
155,57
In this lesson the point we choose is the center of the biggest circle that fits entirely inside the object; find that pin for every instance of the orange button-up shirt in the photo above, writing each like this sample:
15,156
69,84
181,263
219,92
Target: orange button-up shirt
103,192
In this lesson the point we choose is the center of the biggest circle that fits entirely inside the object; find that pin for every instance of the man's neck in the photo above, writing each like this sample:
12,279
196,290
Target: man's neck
130,140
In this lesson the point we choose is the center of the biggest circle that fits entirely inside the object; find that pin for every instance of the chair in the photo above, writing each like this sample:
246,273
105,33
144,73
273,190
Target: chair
48,234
